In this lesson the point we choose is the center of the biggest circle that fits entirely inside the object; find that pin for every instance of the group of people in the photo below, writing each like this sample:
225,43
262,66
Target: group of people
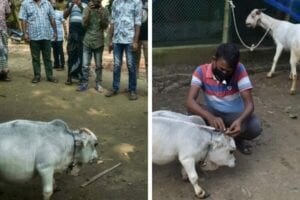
44,27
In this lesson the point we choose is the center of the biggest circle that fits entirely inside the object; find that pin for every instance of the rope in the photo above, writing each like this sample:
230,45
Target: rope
252,47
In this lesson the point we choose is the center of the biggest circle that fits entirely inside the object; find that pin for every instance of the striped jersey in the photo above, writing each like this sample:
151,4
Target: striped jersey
220,97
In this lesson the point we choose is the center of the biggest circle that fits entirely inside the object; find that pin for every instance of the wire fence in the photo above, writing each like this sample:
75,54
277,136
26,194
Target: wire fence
192,22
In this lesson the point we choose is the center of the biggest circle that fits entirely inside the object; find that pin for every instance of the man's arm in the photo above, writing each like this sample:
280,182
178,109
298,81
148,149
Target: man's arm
137,30
67,10
195,108
235,127
7,9
111,34
104,15
53,24
65,29
24,28
86,16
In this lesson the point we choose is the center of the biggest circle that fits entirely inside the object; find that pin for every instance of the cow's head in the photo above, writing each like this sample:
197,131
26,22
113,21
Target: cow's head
254,18
220,152
86,143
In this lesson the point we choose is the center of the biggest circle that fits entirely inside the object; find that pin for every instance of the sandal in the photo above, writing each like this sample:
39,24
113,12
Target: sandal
243,147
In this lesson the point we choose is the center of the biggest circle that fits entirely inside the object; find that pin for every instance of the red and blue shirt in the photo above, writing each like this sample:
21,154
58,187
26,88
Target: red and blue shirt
220,97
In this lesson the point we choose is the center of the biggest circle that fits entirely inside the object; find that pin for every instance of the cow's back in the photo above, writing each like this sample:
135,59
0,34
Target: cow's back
172,138
24,144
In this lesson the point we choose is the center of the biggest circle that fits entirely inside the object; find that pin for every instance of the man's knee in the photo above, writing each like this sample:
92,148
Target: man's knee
253,130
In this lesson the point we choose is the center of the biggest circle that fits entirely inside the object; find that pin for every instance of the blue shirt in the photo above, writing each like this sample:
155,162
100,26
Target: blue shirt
38,19
125,15
59,20
76,12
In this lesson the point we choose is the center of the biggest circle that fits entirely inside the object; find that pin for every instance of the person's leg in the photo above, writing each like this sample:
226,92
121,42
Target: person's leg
131,68
137,57
4,56
61,56
55,54
118,56
36,62
87,57
98,70
46,53
145,51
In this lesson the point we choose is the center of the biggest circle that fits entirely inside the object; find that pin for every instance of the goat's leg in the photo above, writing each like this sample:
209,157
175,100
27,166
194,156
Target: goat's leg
279,49
189,167
293,62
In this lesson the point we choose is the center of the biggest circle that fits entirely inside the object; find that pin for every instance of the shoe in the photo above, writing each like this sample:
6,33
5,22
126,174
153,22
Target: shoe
82,87
99,88
6,78
69,81
52,79
243,147
35,80
133,96
111,93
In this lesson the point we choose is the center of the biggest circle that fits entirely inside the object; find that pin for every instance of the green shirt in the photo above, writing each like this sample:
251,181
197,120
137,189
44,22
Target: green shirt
94,25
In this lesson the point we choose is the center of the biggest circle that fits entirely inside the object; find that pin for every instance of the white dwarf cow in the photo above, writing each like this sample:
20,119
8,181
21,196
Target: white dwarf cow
286,36
186,138
28,148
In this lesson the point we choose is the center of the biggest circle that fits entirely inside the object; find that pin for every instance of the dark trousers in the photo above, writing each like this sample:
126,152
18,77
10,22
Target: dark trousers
36,47
58,54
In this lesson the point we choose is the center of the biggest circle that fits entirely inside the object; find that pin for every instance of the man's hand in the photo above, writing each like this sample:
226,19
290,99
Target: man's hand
110,47
135,46
217,122
235,129
91,5
26,37
54,36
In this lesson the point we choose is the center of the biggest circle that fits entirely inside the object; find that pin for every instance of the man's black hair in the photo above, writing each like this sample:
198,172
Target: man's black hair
230,53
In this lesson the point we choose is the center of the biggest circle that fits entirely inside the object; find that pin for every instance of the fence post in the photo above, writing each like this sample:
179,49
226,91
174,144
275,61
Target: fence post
226,22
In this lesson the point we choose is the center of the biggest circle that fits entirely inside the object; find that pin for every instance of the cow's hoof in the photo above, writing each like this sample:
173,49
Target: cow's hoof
292,92
202,195
269,75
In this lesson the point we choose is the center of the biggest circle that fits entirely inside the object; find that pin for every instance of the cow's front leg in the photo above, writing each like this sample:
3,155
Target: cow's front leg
184,175
189,167
47,181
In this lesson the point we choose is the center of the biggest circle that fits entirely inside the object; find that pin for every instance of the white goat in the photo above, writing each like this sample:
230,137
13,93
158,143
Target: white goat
286,36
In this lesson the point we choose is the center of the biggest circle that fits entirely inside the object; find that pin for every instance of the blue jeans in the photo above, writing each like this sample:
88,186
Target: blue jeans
118,55
87,57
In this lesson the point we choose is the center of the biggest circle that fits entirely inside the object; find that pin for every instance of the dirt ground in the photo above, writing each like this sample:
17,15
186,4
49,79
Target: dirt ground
271,172
120,124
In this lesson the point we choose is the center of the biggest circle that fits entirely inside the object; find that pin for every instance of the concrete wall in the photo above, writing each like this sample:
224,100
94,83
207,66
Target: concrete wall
173,67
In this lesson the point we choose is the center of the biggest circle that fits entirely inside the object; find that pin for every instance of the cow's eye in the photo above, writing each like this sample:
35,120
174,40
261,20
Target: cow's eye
231,151
96,144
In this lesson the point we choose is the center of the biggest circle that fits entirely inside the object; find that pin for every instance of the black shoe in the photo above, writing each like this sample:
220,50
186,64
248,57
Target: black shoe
69,81
243,147
35,80
52,79
111,93
133,96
